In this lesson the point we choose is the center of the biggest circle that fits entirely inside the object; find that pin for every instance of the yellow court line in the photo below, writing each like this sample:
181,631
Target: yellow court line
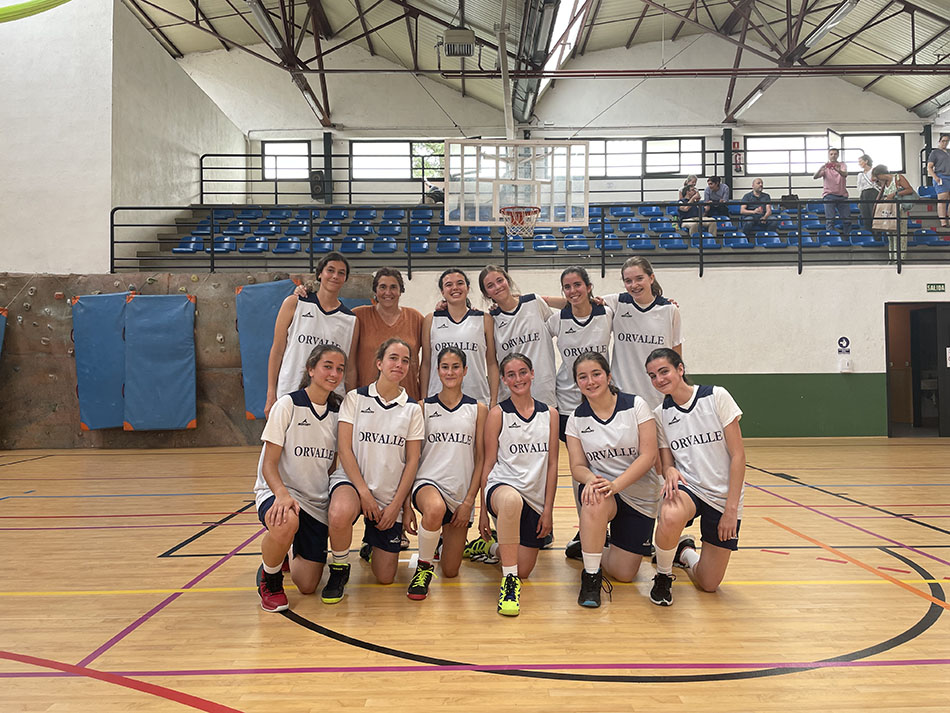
828,548
733,583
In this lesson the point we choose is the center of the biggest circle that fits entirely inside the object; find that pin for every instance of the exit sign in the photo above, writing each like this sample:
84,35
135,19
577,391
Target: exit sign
936,287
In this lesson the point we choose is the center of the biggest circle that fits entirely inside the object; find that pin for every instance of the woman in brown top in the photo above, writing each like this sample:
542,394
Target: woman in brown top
381,321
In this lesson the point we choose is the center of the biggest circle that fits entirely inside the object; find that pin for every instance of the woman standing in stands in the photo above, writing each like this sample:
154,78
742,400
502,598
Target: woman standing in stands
642,321
519,478
457,325
703,464
449,475
292,492
384,319
520,326
868,192
891,187
305,322
611,441
380,439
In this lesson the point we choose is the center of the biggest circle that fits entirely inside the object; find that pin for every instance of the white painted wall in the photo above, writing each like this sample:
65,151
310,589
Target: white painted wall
757,320
161,122
263,101
55,139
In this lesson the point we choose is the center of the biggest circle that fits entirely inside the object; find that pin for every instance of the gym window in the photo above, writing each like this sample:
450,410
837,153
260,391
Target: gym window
803,155
396,160
285,160
633,158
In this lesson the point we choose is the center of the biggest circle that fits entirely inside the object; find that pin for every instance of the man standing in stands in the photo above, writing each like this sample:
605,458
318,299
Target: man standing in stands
834,192
756,210
716,196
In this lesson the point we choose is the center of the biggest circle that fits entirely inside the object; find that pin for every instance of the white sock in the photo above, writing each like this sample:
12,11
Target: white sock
428,541
513,569
689,557
592,561
272,570
664,560
493,550
342,557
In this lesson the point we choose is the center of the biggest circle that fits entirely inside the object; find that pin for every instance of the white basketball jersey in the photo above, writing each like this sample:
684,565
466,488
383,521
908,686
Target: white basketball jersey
380,432
637,332
448,453
523,453
310,327
307,436
694,434
525,331
611,446
468,336
573,339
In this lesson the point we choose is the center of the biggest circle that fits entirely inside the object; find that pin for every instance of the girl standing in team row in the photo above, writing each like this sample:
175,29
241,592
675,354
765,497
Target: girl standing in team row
470,330
580,326
308,321
519,478
704,472
380,438
643,320
292,492
520,326
448,478
611,442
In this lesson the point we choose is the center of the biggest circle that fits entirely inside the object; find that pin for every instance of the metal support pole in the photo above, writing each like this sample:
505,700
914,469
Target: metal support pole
112,240
310,251
328,167
212,241
727,157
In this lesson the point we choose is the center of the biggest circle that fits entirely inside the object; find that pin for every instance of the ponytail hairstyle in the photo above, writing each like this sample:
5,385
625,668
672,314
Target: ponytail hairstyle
381,351
513,357
643,264
313,285
495,268
452,350
453,270
333,399
601,361
582,273
675,360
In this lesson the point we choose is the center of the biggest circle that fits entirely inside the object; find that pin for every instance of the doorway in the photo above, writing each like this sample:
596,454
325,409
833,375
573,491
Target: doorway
918,368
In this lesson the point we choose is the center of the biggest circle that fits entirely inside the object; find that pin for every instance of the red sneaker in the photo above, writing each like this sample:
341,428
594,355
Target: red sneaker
285,567
271,589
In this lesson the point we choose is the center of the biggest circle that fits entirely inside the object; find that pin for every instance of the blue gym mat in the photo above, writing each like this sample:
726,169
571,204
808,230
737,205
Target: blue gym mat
257,307
98,321
160,362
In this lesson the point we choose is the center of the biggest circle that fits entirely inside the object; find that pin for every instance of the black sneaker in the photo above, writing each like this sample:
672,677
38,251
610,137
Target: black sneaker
336,582
685,541
366,551
548,541
573,549
661,594
419,586
590,588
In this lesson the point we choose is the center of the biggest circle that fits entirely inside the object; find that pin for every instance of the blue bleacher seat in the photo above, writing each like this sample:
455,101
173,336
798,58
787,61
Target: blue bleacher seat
661,226
279,213
448,243
672,241
639,241
287,245
419,228
611,242
202,228
250,213
222,214
544,241
770,239
621,211
831,239
923,236
255,243
321,244
630,225
385,242
479,239
709,242
389,228
420,214
268,227
237,227
336,214
511,245
328,228
222,244
927,191
365,213
450,230
807,239
189,244
736,240
394,214
734,208
352,244
594,211
596,227
865,239
650,211
417,244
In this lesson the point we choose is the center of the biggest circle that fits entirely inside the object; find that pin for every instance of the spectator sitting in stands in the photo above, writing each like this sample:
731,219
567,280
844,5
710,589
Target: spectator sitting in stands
756,210
716,197
691,211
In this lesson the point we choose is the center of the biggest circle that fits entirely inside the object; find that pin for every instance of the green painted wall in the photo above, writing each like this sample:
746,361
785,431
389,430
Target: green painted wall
779,405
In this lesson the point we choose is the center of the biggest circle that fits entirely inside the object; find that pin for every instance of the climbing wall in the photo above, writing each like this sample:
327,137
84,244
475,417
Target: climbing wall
38,403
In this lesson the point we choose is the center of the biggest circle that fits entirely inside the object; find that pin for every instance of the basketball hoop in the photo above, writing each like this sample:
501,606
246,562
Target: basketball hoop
520,220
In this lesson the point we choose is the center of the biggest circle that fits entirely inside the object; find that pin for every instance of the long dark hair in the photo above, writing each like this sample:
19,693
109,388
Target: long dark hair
643,264
512,357
582,273
332,257
494,268
333,399
671,356
452,350
601,361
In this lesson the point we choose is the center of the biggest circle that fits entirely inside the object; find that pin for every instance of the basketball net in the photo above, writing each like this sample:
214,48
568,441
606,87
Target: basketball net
520,220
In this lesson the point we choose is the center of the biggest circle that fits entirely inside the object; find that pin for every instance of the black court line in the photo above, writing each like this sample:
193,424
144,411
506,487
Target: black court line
842,496
188,541
24,460
929,618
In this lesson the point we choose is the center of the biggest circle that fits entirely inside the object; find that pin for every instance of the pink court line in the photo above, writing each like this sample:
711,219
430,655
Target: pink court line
651,666
829,559
129,527
168,600
774,552
851,524
893,569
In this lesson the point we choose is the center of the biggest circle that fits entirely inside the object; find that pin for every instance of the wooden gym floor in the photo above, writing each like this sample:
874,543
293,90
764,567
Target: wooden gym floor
130,586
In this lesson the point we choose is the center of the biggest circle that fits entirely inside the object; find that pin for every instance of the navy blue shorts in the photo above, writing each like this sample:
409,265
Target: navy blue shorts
529,520
562,427
447,518
709,522
630,529
310,540
386,540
